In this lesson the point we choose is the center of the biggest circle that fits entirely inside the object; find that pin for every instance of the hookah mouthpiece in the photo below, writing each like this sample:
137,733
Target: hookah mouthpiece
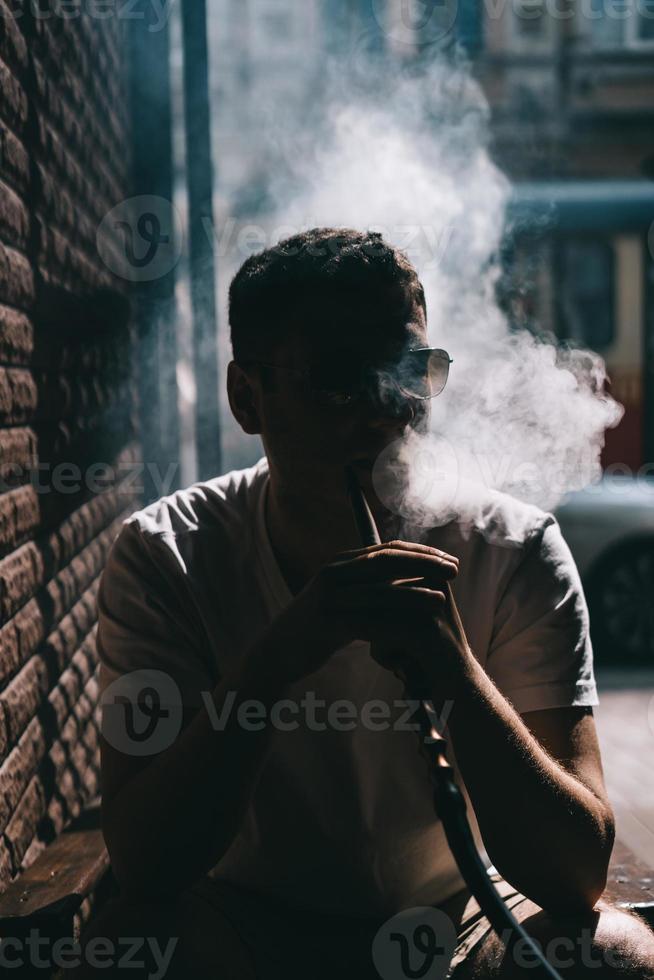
368,531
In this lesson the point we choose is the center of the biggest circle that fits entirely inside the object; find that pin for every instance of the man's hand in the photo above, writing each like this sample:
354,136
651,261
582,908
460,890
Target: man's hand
436,664
395,595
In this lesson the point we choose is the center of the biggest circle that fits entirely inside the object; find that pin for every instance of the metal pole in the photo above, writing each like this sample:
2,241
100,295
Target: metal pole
371,20
648,349
154,299
201,241
470,27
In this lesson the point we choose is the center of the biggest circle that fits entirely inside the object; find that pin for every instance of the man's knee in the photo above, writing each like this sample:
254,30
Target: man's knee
623,945
162,940
604,945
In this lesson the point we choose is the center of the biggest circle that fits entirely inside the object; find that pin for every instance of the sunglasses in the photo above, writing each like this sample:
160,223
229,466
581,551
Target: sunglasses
338,382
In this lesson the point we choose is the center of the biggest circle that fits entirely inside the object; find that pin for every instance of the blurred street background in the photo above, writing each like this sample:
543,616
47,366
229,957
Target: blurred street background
626,725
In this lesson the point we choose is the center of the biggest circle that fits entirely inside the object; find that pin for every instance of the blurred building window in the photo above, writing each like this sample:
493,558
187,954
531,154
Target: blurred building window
606,23
644,22
530,18
619,23
587,270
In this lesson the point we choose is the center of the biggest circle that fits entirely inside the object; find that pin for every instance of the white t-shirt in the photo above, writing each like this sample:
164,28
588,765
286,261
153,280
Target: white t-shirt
342,815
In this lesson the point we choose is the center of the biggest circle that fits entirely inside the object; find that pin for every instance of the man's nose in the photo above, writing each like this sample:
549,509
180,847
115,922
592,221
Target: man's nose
390,406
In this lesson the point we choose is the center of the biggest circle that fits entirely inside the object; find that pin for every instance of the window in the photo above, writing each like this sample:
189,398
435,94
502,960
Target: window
530,18
532,25
644,22
619,23
587,288
606,22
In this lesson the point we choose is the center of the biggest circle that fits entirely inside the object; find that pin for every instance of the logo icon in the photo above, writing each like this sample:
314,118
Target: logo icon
141,712
141,239
419,480
416,944
416,23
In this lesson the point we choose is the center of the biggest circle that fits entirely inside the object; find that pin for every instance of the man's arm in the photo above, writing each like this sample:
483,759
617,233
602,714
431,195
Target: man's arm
521,731
168,818
537,788
170,814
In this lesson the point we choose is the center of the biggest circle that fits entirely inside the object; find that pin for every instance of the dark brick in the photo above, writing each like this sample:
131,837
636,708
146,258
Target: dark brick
19,517
23,695
22,827
16,337
13,47
18,455
9,650
20,638
20,575
18,396
14,160
5,864
14,218
19,768
14,105
16,279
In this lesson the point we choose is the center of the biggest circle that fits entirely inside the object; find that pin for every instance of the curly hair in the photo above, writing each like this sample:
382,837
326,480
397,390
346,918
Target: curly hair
270,285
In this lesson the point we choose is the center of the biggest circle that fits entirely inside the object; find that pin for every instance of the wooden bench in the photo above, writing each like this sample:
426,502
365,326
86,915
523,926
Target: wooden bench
72,877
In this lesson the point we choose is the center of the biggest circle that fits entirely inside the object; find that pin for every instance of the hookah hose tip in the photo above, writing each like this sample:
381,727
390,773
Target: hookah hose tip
365,522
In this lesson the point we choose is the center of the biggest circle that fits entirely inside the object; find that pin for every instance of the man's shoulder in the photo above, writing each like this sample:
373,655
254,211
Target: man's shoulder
495,535
222,503
487,520
503,521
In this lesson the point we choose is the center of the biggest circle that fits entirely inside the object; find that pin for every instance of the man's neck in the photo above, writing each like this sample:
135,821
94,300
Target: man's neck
306,534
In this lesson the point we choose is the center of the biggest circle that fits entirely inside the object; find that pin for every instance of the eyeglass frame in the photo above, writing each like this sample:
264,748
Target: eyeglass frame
306,372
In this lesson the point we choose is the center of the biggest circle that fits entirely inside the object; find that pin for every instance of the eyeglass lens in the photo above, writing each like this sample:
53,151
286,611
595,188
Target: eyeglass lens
419,374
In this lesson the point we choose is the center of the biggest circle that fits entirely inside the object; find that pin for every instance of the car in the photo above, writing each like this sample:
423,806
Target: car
609,527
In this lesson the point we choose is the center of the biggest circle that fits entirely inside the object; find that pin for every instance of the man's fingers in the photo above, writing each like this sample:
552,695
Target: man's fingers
386,563
397,545
388,600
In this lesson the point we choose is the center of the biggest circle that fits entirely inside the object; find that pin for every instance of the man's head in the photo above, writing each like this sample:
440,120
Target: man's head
278,292
316,308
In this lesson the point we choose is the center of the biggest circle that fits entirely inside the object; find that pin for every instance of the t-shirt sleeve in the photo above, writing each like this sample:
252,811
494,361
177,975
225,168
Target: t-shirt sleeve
144,622
540,654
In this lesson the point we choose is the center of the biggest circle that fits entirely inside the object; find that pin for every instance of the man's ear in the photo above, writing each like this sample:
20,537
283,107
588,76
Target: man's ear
242,395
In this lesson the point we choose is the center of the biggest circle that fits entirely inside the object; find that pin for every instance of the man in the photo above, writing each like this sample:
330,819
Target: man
290,820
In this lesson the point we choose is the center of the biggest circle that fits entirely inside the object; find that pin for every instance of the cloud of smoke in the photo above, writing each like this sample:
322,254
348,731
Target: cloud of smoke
408,157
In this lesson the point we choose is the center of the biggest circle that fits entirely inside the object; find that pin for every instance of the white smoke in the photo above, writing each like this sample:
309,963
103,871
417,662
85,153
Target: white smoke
519,415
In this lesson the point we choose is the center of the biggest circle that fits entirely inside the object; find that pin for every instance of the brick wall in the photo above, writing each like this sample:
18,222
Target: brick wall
67,401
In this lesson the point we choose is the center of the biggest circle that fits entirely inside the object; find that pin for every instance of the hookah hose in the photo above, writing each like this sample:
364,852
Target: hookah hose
449,802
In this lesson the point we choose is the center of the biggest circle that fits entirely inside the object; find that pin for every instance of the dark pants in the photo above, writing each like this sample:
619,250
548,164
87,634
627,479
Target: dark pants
218,930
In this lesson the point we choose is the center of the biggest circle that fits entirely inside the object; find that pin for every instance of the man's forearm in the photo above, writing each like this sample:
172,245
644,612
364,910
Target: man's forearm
174,819
544,830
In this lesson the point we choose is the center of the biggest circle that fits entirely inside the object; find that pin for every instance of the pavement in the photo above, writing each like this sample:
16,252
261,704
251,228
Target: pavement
625,724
